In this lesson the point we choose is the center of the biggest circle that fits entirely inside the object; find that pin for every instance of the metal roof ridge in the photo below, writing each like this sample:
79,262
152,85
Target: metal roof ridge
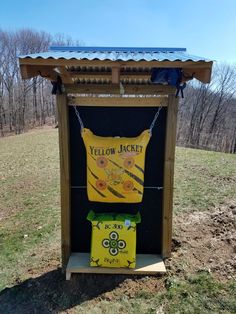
115,49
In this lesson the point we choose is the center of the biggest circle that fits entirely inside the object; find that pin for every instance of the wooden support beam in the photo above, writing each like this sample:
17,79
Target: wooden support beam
118,101
63,122
115,78
29,71
115,75
65,75
91,75
24,72
113,89
107,74
170,142
203,75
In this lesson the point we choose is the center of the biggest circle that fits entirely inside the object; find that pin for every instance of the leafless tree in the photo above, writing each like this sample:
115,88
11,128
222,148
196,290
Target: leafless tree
25,103
207,115
65,40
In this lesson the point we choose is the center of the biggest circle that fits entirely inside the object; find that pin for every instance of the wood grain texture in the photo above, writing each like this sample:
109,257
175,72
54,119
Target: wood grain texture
171,123
115,75
65,76
145,264
63,123
114,89
118,101
29,71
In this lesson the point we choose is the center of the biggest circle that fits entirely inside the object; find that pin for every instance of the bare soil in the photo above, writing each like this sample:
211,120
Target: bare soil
205,241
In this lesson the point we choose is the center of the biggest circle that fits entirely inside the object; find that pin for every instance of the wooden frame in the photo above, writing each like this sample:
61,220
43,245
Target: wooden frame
113,83
171,124
63,101
63,123
118,101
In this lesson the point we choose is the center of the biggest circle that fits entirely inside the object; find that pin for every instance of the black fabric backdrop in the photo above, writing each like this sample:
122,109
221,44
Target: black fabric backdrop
128,122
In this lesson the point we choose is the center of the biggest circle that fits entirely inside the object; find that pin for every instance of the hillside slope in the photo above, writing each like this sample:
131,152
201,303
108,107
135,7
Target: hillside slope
201,272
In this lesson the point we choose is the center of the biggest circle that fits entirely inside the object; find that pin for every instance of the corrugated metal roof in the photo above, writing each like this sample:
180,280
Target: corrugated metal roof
117,54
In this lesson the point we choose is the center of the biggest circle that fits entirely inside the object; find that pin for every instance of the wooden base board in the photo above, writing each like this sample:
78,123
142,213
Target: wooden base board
146,264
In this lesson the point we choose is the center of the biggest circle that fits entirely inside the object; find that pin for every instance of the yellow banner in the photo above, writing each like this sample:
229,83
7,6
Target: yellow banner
115,167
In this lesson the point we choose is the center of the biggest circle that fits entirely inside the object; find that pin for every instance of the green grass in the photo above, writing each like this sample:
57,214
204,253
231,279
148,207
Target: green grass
203,179
30,222
29,200
200,294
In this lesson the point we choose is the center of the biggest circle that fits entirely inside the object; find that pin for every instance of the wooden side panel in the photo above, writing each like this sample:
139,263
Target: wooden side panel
63,122
169,175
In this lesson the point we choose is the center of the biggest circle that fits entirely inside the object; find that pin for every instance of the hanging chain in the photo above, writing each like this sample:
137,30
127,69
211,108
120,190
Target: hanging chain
150,129
154,120
79,119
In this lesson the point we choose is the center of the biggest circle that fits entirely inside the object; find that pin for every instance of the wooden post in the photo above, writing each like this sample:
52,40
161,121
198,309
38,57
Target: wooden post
115,75
171,123
63,123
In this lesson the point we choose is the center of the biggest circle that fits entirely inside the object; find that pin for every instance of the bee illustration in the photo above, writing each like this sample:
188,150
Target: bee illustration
114,176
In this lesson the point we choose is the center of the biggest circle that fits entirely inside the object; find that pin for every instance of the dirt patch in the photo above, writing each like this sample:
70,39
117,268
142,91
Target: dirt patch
131,287
205,241
50,293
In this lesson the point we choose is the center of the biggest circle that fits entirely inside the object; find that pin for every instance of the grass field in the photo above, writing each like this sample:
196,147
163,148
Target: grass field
30,278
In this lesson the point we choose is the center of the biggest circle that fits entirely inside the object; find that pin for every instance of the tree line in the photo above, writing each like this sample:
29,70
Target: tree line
25,104
207,113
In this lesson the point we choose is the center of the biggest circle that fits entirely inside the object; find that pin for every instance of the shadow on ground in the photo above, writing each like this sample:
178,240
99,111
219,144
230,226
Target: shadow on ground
51,293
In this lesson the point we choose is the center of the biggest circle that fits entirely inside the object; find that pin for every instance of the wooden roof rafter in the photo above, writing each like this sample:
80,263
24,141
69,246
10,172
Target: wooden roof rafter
201,70
98,64
116,75
65,75
30,71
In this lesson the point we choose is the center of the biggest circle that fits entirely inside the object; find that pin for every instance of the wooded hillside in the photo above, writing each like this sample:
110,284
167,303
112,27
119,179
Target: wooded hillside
25,103
207,114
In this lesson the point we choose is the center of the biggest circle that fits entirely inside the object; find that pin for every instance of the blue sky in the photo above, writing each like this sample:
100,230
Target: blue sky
205,27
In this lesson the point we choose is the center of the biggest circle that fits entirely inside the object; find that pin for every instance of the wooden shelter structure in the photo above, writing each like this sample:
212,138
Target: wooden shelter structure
115,96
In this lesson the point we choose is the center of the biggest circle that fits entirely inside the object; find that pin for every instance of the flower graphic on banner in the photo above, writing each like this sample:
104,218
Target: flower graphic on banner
113,243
